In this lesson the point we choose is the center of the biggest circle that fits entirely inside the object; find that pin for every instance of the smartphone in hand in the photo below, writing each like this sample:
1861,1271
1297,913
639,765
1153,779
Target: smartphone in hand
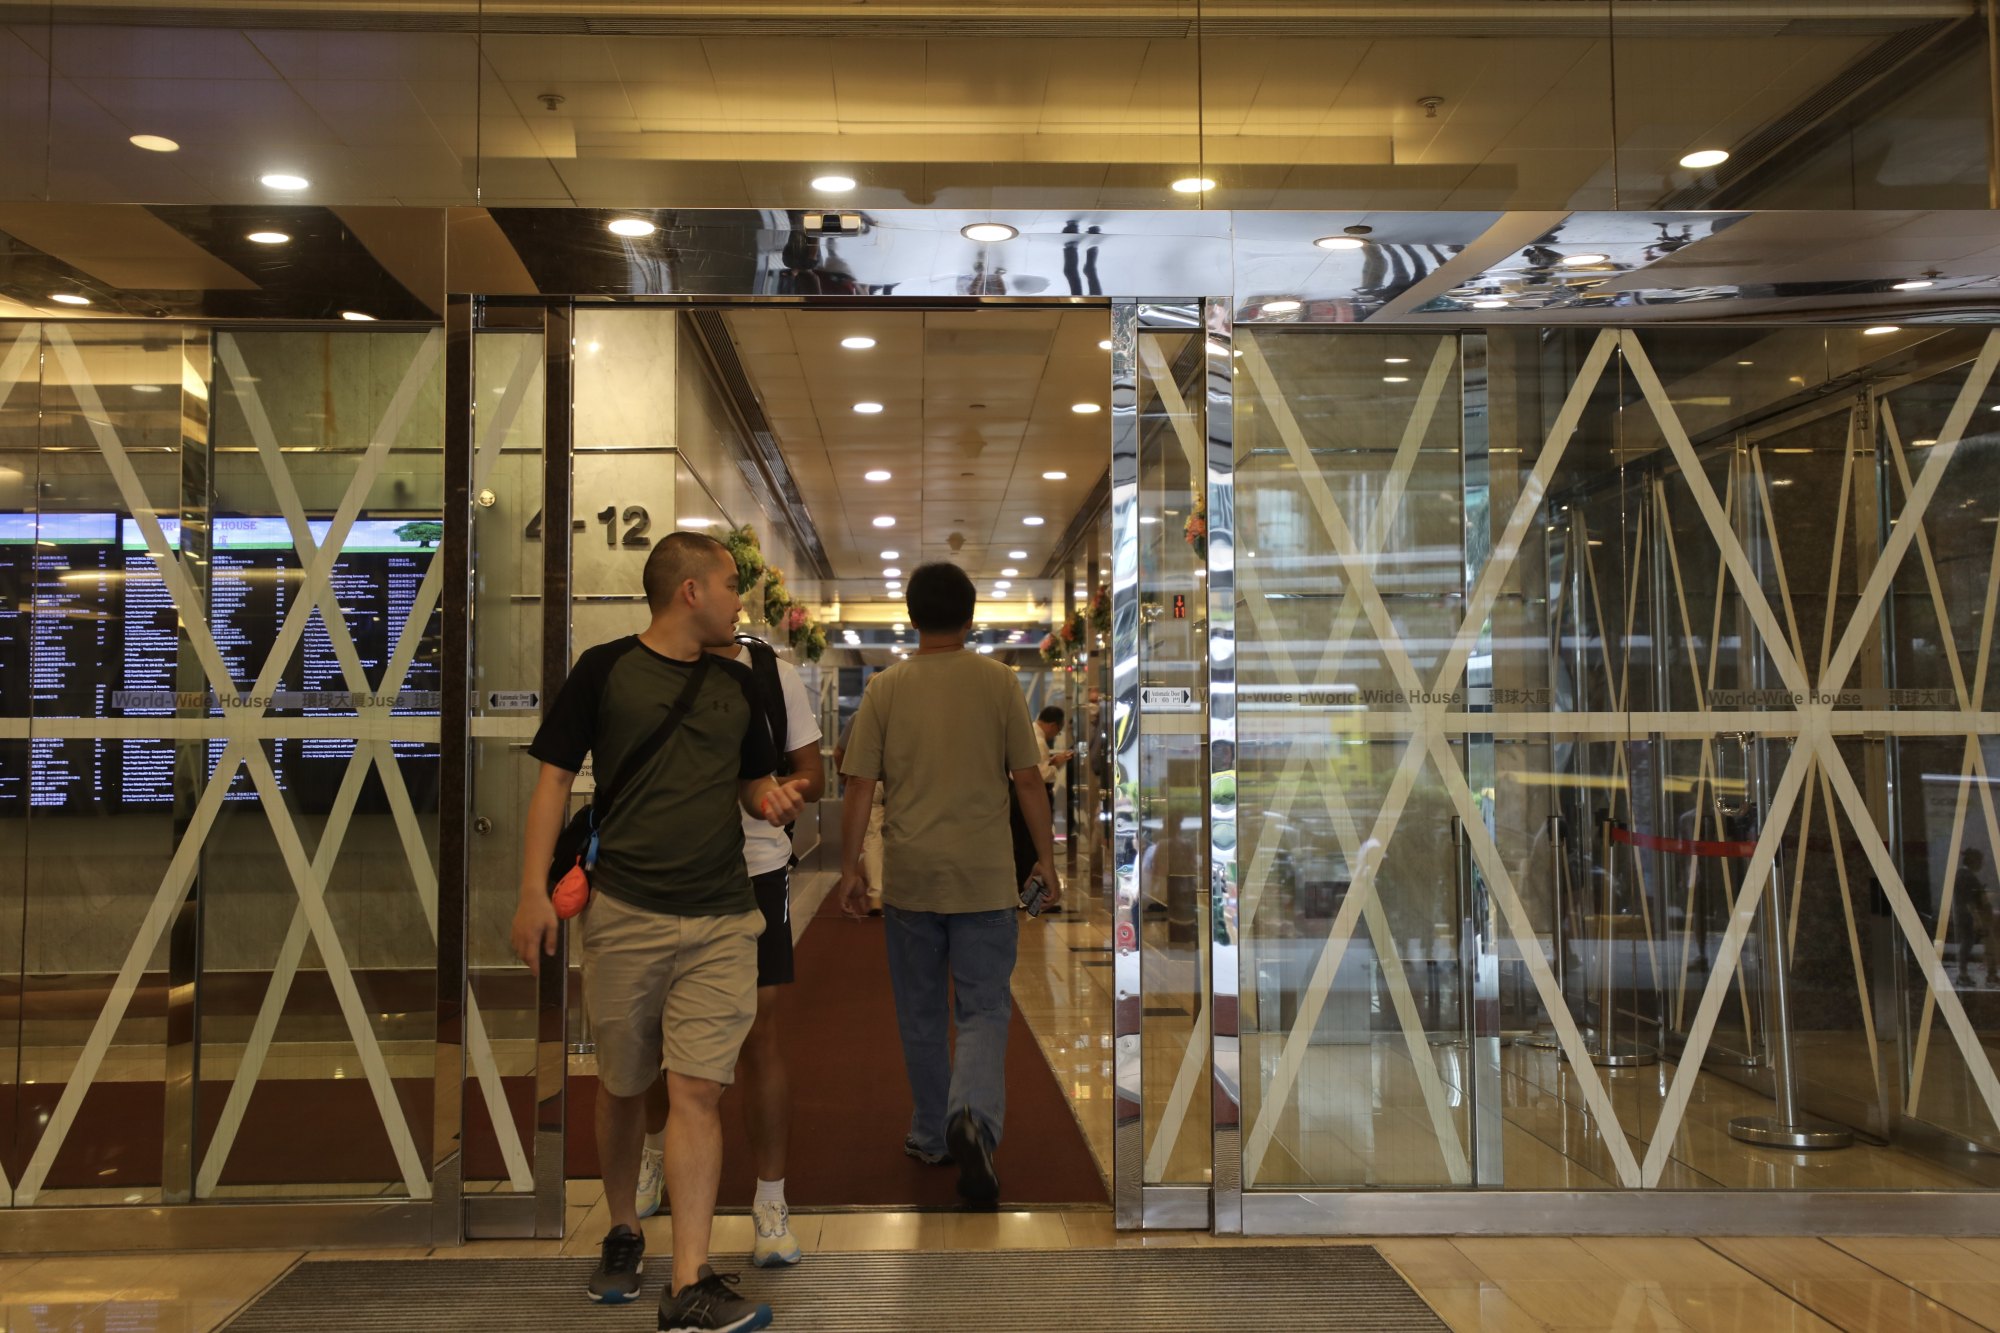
1033,895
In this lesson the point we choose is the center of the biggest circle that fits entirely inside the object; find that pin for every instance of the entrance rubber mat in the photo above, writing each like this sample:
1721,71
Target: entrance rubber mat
1334,1287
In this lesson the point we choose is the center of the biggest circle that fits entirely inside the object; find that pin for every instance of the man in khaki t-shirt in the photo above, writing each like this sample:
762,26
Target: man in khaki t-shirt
944,733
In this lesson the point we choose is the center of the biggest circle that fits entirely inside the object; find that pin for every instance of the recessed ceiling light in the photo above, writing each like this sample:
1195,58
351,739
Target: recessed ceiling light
630,227
989,231
1001,585
868,409
1340,242
892,573
154,143
985,647
1280,307
858,343
148,388
1746,363
833,184
1395,379
1881,329
885,521
1023,555
68,298
892,555
1193,185
1581,261
1084,409
1706,157
1033,520
1055,476
1148,518
876,474
1009,572
268,237
283,180
1104,344
1491,303
1395,361
1914,285
894,585
357,317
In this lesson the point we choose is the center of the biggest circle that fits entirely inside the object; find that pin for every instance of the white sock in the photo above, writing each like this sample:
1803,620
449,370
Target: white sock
657,1142
771,1191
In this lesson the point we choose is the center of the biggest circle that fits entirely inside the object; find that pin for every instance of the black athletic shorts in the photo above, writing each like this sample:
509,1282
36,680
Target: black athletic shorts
774,946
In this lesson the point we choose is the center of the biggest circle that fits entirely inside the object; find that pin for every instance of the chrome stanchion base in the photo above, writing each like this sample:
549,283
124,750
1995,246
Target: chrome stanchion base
1623,1057
1543,1039
1767,1131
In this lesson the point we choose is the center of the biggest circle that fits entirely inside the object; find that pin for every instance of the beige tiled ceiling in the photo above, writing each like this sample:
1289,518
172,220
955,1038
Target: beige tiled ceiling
977,405
1099,116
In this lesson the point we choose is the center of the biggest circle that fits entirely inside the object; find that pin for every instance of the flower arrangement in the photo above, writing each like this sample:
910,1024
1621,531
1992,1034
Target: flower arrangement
1100,610
815,642
1067,641
777,600
749,556
1195,530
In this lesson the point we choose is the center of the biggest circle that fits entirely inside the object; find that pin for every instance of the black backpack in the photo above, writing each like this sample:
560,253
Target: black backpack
764,670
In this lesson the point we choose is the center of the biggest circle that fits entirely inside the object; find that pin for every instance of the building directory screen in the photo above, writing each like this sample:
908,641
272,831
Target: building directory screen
88,630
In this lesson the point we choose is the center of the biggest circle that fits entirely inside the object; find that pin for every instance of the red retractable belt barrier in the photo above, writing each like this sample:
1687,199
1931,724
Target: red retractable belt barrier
1685,846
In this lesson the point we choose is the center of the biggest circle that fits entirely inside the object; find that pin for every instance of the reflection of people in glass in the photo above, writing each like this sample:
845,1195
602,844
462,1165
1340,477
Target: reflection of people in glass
1972,913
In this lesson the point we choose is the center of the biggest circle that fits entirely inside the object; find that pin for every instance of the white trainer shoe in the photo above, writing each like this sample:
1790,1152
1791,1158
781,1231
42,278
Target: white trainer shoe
776,1248
652,1180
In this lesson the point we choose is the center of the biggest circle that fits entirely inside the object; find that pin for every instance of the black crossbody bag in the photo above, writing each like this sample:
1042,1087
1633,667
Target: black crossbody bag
576,845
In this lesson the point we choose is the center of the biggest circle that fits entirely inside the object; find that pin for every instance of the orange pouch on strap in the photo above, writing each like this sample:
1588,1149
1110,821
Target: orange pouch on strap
571,893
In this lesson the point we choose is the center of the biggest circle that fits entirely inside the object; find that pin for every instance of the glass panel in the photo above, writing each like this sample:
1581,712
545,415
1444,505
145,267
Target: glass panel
319,880
1172,798
1353,999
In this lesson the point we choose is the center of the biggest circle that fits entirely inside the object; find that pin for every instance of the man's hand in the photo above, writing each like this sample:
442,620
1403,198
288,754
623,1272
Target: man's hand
535,931
1052,886
1062,756
784,800
852,892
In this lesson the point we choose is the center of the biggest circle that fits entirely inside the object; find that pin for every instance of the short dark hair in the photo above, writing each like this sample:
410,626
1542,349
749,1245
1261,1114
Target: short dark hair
941,598
676,558
1052,715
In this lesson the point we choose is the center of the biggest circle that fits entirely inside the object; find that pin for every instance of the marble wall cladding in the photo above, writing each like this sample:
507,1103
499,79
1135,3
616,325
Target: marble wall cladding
625,378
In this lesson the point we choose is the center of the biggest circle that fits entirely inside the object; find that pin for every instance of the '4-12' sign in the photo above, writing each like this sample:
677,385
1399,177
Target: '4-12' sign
635,536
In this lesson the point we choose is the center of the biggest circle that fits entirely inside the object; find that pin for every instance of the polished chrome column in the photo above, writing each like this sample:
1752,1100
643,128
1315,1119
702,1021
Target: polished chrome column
454,781
1225,1055
1128,1144
552,992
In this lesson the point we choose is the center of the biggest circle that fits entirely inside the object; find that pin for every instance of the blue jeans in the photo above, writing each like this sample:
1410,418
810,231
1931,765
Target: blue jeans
974,952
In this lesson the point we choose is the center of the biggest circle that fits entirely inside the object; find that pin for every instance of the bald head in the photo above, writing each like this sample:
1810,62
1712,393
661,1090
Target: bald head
677,558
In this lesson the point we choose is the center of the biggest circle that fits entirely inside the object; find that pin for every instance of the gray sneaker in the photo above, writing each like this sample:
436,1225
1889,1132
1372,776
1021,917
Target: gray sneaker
710,1304
619,1267
910,1149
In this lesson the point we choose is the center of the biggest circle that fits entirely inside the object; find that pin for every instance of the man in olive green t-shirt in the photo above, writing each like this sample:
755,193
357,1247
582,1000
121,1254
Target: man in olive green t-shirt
945,732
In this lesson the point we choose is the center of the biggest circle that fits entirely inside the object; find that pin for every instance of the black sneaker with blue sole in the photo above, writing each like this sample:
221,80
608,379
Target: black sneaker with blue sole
711,1304
621,1266
978,1182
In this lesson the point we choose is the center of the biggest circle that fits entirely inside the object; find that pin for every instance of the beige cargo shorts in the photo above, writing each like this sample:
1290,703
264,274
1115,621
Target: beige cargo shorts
678,991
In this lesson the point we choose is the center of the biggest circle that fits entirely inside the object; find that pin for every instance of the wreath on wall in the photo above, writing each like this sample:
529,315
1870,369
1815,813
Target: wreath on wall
1068,641
1100,610
1195,530
787,618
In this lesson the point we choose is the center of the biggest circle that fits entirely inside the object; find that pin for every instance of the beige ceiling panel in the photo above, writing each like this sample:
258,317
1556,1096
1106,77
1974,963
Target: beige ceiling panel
549,60
888,88
124,246
110,51
250,115
971,82
413,56
609,183
760,330
370,113
769,82
1105,81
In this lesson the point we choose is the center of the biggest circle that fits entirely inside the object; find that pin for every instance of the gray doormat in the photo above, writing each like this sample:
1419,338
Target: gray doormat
1335,1287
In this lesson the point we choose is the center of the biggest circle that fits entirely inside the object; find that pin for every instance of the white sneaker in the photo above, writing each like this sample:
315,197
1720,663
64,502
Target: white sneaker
775,1246
652,1180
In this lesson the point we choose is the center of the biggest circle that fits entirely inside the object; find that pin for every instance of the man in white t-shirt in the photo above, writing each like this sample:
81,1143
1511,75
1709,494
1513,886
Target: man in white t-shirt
767,851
